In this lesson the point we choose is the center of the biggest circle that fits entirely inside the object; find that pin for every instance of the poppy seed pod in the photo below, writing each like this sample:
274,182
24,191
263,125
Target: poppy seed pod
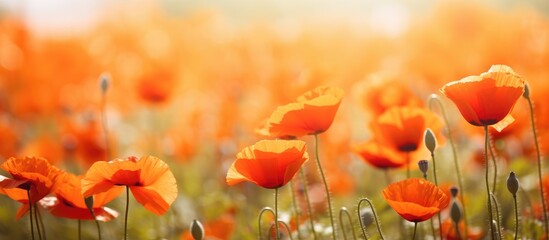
454,191
423,166
430,140
366,217
197,230
455,211
512,183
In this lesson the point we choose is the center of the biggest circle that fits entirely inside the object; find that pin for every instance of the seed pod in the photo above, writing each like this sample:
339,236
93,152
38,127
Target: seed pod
423,166
430,140
197,230
512,183
455,211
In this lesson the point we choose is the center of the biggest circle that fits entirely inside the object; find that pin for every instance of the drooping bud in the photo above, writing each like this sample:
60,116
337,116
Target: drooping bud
512,183
430,140
424,167
197,230
454,191
89,204
455,211
526,93
366,217
104,81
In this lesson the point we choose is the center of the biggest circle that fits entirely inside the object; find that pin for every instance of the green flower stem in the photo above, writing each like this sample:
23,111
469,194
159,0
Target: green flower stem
436,183
454,154
342,211
487,181
126,215
276,215
493,155
79,229
296,209
287,229
538,155
309,209
496,205
415,230
517,222
458,233
375,218
37,222
30,214
334,230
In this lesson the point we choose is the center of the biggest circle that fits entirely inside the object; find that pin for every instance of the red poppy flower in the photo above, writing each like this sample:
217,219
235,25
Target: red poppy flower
32,174
268,163
380,156
415,199
404,127
489,98
69,202
149,179
313,113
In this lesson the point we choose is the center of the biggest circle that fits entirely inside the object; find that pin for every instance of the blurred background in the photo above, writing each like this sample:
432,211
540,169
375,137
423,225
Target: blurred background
190,81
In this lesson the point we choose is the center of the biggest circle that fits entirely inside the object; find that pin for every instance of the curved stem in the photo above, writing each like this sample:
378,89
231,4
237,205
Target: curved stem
265,209
296,209
496,205
309,209
334,230
516,217
346,212
30,214
126,215
375,218
538,155
287,229
486,179
454,155
276,215
415,230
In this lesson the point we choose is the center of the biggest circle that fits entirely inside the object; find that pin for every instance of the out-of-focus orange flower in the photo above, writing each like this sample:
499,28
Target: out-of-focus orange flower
449,231
382,95
487,99
156,87
268,163
69,202
219,228
313,113
380,156
32,174
415,199
46,147
9,139
404,127
149,178
89,141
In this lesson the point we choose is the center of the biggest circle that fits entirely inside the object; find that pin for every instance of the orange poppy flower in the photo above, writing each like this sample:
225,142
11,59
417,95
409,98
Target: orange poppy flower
384,92
449,231
380,156
404,127
69,202
149,179
415,199
487,99
219,228
313,113
268,163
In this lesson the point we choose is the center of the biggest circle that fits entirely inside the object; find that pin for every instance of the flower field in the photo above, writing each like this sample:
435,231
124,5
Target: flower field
274,120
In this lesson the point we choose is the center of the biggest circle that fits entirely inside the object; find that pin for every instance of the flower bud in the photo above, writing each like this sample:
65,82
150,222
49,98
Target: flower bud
366,217
423,166
197,230
430,140
454,191
89,204
512,183
104,81
455,211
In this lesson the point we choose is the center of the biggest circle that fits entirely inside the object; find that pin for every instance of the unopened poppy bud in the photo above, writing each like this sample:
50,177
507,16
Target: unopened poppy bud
89,203
197,230
367,218
526,93
512,183
423,166
454,191
455,211
104,81
430,140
